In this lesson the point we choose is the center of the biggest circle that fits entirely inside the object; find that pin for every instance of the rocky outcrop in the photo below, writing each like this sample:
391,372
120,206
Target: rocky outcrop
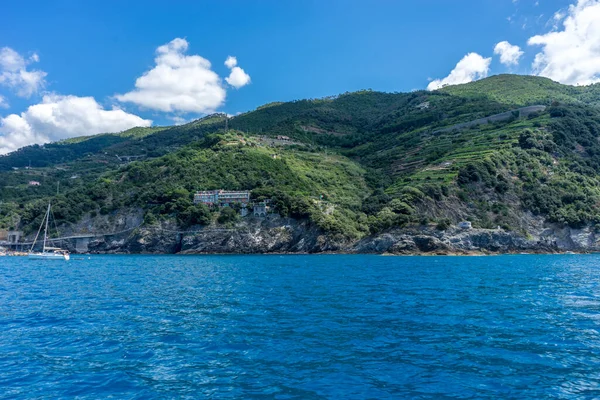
123,220
275,234
260,235
542,238
452,241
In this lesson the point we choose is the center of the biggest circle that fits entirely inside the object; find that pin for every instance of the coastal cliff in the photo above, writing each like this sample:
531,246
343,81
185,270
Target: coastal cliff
276,234
515,158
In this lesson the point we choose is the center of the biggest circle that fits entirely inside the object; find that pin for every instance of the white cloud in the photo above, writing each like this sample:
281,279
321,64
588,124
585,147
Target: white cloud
178,83
178,120
571,55
509,54
10,60
472,67
238,77
14,73
231,62
558,16
3,102
59,117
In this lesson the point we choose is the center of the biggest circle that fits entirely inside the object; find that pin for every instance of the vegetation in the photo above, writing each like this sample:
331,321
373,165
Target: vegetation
359,163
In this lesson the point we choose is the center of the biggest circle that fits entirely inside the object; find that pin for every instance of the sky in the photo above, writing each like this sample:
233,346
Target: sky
70,68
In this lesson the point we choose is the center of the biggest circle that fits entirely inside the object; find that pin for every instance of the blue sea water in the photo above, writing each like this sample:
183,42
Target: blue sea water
284,327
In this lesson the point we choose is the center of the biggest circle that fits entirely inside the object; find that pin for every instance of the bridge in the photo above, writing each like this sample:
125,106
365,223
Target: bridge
82,241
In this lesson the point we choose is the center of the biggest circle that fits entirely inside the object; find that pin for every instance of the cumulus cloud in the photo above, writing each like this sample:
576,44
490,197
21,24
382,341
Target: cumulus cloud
238,77
59,117
15,75
472,67
571,55
178,120
178,83
509,54
231,62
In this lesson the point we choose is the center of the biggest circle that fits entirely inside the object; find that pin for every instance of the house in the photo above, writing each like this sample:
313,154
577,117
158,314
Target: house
286,138
34,183
10,236
465,225
14,236
260,209
209,197
221,197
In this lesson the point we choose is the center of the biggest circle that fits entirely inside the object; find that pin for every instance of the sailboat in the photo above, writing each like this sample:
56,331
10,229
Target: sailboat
47,253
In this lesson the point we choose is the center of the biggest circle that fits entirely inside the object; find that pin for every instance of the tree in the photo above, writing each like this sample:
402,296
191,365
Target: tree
198,214
228,215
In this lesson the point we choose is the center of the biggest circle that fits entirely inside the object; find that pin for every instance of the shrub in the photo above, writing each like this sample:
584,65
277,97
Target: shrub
443,224
228,215
195,215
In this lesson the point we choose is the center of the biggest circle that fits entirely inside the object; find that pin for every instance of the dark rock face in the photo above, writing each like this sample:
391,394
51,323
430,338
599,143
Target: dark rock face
428,244
270,235
451,241
275,234
251,236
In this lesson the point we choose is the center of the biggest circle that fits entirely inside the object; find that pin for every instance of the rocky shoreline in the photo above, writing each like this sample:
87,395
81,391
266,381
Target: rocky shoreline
278,235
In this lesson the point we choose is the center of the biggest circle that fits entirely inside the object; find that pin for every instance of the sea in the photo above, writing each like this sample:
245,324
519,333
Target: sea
300,327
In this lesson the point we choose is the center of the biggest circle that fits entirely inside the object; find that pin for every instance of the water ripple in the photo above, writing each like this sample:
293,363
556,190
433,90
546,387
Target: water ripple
300,327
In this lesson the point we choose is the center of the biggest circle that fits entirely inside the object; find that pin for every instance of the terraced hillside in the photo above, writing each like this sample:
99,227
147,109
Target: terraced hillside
496,152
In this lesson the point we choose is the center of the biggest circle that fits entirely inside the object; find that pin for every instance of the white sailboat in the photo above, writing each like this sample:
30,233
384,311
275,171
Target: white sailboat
47,253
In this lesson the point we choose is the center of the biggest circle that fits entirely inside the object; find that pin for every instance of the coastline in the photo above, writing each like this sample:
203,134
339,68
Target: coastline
284,236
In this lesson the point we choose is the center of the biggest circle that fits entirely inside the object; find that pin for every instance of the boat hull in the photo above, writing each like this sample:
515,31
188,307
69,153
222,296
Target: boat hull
48,256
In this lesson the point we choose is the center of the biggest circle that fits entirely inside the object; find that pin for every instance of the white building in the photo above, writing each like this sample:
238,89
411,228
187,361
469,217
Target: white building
222,197
260,210
465,225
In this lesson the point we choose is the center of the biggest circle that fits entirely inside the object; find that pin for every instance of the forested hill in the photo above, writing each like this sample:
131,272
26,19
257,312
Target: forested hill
355,164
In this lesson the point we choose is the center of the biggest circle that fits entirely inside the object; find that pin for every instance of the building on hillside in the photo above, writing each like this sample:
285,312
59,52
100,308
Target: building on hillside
260,209
34,183
465,225
208,197
14,236
10,236
285,138
222,197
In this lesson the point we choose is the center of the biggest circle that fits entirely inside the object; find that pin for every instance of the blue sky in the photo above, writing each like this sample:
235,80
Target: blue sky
285,50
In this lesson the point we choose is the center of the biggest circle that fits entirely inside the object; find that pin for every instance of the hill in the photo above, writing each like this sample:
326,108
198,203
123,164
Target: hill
523,90
516,152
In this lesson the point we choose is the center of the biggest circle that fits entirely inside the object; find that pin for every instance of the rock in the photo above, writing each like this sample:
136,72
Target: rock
275,234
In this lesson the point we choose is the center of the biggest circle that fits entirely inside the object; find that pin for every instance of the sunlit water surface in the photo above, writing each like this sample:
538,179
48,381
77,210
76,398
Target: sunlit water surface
300,327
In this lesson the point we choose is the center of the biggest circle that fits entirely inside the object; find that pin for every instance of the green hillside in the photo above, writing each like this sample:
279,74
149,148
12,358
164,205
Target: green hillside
522,90
355,164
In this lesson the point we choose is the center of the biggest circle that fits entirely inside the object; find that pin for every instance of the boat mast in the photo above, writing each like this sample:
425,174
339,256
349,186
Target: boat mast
46,228
36,236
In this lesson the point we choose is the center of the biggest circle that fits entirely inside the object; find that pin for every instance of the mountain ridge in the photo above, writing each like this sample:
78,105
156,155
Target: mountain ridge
381,162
